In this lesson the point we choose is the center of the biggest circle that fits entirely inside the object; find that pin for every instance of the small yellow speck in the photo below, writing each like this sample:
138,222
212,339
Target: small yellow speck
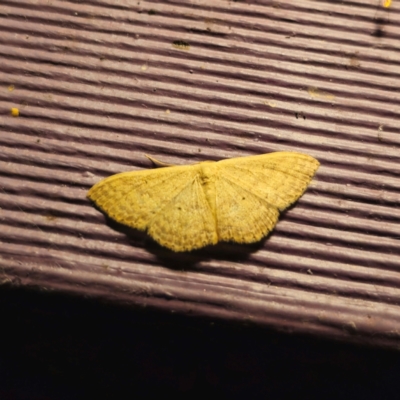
144,67
11,88
15,112
386,3
167,112
318,93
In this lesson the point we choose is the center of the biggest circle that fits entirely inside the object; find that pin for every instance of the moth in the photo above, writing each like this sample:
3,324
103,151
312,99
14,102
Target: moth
188,207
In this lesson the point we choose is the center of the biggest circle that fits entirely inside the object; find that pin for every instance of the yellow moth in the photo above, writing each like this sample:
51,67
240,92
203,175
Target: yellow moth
192,206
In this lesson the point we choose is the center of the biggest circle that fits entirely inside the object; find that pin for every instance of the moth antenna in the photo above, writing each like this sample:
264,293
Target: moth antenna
158,163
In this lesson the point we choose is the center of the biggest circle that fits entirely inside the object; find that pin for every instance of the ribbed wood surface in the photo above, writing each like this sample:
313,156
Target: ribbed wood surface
101,83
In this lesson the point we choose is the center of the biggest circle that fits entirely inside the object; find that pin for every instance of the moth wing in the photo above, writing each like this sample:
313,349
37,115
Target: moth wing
186,222
250,192
280,178
156,201
242,216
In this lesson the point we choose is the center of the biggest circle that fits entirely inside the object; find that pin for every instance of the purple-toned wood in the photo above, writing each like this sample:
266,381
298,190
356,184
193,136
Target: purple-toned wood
100,84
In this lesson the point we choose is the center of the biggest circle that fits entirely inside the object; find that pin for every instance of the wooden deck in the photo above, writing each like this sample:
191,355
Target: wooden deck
100,84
